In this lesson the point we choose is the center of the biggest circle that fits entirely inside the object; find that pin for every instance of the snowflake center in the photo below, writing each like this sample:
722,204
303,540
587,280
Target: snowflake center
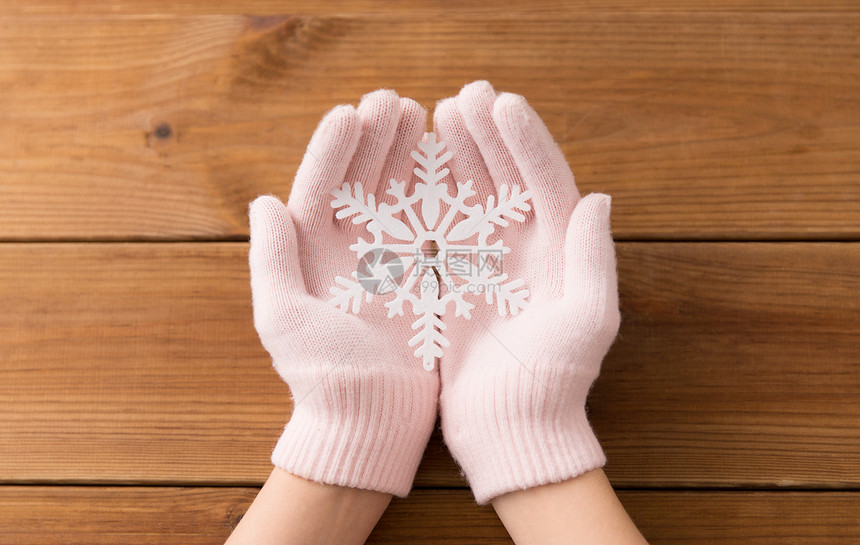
431,244
429,248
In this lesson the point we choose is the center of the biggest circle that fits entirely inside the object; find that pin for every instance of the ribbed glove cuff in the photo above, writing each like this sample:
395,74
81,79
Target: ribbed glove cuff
374,439
506,453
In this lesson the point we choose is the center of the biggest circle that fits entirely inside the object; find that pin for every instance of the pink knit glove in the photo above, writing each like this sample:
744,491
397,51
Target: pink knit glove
514,388
363,410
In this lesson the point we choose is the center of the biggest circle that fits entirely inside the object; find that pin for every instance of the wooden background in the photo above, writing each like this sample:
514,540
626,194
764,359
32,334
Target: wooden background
136,403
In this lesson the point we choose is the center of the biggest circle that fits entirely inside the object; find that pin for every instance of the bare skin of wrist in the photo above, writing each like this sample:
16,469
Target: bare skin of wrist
579,511
291,510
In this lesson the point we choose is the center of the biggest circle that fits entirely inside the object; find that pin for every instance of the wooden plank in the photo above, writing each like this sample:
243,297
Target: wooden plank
36,515
138,363
748,518
366,7
95,515
664,517
730,349
133,362
741,126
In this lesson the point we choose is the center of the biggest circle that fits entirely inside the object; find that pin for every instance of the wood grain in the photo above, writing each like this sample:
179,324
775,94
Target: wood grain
153,120
713,125
36,515
726,349
133,362
748,518
106,515
138,363
515,8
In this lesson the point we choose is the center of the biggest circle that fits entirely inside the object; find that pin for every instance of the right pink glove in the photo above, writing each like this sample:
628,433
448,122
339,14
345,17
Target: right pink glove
514,388
363,406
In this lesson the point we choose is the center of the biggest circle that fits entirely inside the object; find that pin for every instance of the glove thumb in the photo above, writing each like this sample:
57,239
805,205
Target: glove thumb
274,260
591,277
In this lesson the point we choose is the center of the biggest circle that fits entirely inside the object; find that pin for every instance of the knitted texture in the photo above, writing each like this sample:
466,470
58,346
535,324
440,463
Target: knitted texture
362,409
514,388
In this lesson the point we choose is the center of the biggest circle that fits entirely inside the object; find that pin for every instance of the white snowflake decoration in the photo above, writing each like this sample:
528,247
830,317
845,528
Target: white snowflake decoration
476,222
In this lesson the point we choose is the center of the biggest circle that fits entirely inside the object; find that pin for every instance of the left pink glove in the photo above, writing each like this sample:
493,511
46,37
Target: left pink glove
362,409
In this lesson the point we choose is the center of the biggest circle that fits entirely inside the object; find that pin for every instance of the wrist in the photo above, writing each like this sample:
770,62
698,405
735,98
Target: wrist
325,515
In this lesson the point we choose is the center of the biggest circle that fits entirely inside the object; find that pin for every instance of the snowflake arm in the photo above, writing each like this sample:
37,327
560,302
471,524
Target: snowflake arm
432,160
431,171
403,293
348,296
351,202
457,203
455,293
429,337
481,277
483,223
510,296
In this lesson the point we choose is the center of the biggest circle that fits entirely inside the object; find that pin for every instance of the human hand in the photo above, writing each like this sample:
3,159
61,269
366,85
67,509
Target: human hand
514,387
363,410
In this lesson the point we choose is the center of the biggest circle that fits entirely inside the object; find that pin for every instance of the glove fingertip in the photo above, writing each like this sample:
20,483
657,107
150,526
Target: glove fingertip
263,213
592,213
445,111
589,247
273,256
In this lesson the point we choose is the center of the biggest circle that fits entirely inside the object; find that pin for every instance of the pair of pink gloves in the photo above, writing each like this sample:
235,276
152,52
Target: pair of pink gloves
511,390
